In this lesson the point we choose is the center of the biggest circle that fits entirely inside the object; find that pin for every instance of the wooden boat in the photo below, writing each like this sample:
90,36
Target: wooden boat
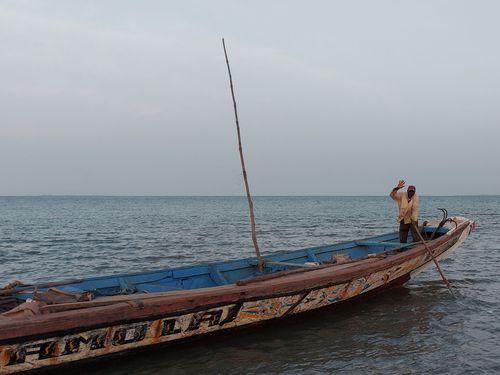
59,323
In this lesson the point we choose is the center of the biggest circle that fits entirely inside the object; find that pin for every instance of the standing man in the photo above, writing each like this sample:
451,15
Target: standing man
408,203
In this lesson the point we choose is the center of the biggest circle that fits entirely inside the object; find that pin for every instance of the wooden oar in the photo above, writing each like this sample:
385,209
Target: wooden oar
445,280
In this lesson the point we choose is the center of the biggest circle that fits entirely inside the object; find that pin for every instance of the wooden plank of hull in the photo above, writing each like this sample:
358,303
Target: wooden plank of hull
177,318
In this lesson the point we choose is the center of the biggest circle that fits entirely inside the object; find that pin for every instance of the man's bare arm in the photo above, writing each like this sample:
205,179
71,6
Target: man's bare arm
394,192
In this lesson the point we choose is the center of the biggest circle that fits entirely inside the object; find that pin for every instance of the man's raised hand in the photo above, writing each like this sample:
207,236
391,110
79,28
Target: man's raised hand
401,184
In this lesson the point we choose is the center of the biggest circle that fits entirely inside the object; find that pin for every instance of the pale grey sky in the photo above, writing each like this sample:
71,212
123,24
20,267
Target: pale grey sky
335,98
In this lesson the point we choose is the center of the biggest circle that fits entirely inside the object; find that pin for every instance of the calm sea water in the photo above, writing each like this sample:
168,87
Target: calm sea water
418,328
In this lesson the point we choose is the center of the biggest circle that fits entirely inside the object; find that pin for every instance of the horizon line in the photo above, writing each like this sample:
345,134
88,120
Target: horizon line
228,196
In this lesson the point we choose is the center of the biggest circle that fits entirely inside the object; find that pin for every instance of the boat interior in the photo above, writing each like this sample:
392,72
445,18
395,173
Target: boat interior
227,272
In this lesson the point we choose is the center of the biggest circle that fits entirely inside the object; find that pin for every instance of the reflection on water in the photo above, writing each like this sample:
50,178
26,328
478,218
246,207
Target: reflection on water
415,329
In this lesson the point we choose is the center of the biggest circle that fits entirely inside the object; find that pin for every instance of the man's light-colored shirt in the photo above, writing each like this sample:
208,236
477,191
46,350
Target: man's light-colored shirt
408,210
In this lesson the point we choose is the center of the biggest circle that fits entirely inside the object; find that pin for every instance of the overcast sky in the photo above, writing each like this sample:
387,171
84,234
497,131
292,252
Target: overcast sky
335,98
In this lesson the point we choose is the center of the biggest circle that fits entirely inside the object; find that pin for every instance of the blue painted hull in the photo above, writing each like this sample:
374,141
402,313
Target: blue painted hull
224,273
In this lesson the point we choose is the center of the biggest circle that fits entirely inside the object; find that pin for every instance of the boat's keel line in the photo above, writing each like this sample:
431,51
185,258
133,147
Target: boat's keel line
99,342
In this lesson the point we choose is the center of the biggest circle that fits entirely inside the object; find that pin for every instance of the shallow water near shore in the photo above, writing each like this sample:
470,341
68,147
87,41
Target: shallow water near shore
413,329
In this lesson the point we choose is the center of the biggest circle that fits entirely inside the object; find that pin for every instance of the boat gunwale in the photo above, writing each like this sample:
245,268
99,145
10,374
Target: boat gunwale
221,266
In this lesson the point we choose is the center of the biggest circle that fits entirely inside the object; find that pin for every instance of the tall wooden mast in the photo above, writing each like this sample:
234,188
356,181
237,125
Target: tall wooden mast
243,168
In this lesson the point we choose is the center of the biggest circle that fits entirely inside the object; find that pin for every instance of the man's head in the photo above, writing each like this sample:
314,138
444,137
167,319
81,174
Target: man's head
411,191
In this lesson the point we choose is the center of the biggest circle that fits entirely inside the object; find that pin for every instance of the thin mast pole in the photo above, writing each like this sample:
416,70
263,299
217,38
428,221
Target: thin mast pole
243,168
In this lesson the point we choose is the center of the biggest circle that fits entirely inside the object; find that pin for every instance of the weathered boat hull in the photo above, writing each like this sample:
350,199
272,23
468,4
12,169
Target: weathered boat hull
137,323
